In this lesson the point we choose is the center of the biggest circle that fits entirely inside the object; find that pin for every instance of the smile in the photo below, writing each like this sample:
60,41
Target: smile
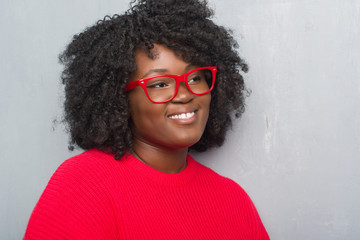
182,115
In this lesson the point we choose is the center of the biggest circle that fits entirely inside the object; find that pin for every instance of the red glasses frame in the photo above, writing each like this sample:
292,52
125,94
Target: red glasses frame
178,79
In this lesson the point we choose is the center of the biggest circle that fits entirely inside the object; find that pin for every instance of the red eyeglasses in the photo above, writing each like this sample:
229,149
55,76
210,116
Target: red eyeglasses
163,88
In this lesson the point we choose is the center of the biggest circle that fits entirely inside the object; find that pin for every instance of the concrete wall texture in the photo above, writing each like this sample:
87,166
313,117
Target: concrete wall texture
296,150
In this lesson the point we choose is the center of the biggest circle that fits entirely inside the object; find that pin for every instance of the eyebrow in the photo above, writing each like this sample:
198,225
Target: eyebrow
163,70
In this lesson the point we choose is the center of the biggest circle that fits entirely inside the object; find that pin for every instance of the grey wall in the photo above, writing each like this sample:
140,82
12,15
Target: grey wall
296,150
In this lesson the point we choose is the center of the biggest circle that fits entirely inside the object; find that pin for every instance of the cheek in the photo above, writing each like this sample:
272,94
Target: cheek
144,115
137,103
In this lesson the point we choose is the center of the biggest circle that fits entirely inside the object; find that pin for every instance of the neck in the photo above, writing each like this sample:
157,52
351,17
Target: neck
162,159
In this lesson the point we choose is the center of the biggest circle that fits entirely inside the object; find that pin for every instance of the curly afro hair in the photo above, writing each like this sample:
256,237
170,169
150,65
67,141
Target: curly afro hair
99,61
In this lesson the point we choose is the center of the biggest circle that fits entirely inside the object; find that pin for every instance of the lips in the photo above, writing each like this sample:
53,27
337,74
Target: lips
182,115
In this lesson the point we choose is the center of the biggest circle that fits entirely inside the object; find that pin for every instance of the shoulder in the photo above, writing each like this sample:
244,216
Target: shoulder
221,184
216,178
89,159
76,200
234,197
86,174
92,162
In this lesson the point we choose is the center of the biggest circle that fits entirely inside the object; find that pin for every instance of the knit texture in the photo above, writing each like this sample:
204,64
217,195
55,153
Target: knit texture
93,196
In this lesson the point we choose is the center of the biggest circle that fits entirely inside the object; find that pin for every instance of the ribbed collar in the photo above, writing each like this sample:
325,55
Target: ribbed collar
140,168
181,178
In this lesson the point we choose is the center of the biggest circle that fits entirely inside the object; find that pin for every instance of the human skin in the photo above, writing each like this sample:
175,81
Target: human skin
159,140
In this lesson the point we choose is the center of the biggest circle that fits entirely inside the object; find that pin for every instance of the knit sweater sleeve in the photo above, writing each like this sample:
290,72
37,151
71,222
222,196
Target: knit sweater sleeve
250,212
259,230
74,205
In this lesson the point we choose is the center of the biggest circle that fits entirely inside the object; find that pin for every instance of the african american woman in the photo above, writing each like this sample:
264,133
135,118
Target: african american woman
142,90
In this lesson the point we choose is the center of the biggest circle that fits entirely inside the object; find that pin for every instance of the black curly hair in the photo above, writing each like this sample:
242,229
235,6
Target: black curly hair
99,61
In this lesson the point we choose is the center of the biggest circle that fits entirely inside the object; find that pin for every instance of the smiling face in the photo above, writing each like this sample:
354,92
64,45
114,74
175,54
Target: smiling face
177,124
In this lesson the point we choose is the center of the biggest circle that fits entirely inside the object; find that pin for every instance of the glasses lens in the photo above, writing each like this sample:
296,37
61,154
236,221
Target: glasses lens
200,81
161,89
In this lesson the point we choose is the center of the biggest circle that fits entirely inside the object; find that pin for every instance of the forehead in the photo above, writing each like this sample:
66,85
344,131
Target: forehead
161,58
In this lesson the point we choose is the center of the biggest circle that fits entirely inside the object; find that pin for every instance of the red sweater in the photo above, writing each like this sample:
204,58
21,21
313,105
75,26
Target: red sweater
93,196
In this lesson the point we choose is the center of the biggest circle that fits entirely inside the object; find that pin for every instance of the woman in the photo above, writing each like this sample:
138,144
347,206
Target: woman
142,89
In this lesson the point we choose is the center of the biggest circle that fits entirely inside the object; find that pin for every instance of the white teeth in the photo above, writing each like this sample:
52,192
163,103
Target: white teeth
182,116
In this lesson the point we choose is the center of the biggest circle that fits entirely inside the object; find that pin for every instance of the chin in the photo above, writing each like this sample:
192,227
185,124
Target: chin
186,142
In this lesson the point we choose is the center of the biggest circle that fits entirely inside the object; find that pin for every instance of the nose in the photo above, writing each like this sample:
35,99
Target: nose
183,94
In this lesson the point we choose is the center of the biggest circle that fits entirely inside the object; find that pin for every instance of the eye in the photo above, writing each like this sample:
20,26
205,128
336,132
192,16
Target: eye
157,85
160,83
195,79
